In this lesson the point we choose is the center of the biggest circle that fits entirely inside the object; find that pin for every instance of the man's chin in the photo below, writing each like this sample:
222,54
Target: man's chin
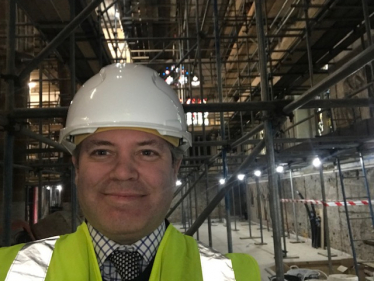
120,231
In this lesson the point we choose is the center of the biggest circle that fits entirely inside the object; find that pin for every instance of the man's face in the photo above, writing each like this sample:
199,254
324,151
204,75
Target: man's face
125,181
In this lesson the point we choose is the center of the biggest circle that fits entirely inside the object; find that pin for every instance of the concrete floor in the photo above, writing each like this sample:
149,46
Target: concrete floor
264,254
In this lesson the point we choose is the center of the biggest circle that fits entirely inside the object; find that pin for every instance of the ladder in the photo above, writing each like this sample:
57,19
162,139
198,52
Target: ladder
347,201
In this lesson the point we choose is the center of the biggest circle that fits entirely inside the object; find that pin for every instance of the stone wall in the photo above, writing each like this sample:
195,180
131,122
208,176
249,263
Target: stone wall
308,183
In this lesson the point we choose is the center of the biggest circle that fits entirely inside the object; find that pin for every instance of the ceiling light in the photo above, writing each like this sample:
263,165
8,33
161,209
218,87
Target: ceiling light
316,162
279,169
222,181
195,81
257,173
59,187
241,177
178,183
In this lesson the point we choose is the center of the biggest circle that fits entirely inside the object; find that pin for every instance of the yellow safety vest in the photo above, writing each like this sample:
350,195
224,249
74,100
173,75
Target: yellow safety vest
72,257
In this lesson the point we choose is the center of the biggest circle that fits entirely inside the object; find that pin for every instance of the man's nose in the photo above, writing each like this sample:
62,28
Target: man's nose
124,168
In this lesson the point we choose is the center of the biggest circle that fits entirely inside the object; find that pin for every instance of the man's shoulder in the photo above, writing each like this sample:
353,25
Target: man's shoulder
245,265
172,231
7,256
5,251
14,249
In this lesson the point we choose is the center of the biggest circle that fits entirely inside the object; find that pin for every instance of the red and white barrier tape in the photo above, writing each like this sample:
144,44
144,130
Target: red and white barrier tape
329,203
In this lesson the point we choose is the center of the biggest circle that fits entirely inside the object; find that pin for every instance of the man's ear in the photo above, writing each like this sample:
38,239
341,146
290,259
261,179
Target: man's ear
75,163
177,165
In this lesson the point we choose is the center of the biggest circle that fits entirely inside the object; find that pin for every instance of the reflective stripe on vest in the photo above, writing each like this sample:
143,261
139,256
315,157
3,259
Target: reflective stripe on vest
32,261
214,265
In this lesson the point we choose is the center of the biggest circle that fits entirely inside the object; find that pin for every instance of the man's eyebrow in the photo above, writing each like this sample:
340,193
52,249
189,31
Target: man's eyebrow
151,142
92,143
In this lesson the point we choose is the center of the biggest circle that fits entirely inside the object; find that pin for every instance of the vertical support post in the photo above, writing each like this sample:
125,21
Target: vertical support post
40,175
190,207
72,51
259,212
27,204
325,218
240,200
347,216
310,58
73,190
296,224
307,40
205,151
8,136
249,215
367,188
365,9
369,67
196,209
282,218
99,19
35,192
222,121
268,128
233,208
40,196
116,59
49,192
74,201
183,213
207,203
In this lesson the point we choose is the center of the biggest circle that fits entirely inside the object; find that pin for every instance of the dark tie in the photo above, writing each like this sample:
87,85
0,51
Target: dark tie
127,264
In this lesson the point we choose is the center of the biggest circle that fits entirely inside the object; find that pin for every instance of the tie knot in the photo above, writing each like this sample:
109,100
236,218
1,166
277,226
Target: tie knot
127,264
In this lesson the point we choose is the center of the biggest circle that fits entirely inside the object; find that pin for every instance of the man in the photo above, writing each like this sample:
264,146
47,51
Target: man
127,133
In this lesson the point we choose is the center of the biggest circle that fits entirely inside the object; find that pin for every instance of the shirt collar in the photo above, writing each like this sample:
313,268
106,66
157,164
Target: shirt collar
147,246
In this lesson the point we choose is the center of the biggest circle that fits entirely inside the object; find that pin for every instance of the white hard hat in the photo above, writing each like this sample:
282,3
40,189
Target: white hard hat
125,95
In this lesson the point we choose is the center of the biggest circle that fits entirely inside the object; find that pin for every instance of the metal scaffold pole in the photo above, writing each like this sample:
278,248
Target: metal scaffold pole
73,189
325,219
280,192
249,216
296,224
350,232
40,175
367,189
207,202
269,143
205,151
259,205
222,121
9,136
234,207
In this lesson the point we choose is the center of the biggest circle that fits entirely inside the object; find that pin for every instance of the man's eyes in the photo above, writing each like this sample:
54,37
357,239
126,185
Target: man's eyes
99,152
148,152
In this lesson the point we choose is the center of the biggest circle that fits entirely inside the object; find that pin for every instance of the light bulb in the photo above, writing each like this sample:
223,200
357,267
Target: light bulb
279,169
317,162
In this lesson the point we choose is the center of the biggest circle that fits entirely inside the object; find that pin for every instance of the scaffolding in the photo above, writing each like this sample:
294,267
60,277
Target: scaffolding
270,88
